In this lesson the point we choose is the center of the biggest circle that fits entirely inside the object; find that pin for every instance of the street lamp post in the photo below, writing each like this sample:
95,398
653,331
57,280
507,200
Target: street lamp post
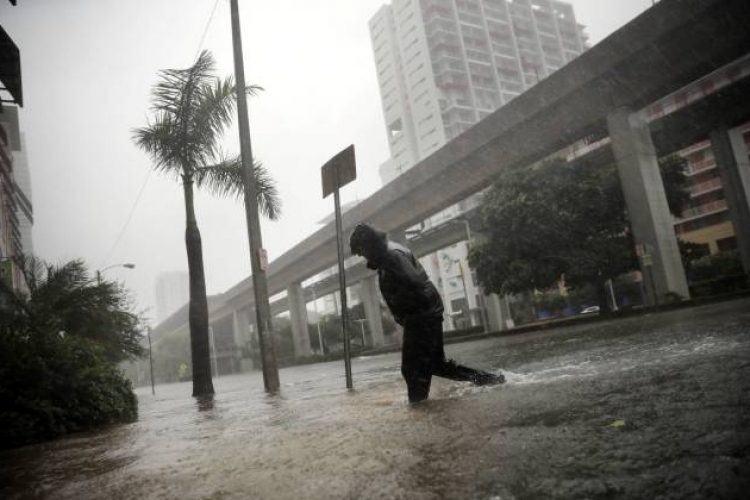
99,272
362,325
151,361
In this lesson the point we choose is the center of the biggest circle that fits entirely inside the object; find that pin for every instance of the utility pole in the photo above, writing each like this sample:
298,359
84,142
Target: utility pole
257,253
151,360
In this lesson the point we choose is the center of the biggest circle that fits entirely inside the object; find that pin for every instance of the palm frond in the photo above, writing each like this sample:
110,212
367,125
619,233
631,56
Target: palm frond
161,141
214,113
226,179
176,89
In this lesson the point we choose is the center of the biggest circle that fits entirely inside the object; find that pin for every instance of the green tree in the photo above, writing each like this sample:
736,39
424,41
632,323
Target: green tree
558,219
192,108
66,300
59,345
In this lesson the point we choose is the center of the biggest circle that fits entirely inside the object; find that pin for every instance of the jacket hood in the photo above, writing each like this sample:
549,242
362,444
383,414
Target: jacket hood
368,241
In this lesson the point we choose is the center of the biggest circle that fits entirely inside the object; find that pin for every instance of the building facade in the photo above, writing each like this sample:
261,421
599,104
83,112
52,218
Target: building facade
706,219
11,244
172,292
24,205
444,65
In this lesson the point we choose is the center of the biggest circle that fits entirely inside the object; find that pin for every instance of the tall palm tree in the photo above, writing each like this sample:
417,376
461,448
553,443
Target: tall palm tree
191,108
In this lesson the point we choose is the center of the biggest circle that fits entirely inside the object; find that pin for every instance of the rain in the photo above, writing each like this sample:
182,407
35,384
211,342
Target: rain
549,298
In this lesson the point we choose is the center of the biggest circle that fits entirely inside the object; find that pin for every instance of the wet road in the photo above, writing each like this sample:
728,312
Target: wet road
656,406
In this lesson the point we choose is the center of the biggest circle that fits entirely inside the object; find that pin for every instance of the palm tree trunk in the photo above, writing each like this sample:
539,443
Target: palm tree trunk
198,315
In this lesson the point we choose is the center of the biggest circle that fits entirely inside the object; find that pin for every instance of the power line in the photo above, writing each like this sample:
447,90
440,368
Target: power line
205,31
127,222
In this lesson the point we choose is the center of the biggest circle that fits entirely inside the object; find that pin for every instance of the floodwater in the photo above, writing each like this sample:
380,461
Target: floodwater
654,406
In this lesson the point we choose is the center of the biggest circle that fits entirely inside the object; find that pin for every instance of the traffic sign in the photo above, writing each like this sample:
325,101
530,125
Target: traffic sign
339,171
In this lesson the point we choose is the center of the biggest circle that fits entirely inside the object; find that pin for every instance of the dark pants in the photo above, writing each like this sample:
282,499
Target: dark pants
422,356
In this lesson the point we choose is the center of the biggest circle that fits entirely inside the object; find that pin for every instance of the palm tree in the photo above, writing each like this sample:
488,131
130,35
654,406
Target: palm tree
65,300
192,107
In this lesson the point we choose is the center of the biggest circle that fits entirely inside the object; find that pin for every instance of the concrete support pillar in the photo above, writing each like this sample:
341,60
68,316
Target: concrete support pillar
242,336
498,313
298,315
370,295
236,328
398,237
734,168
651,222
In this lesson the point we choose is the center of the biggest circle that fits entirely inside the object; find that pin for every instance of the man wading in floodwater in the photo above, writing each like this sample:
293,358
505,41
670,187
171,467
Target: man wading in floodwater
416,305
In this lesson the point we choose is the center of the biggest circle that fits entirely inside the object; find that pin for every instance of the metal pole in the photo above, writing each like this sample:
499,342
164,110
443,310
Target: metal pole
612,297
260,284
213,350
654,297
362,326
466,292
151,361
317,321
342,284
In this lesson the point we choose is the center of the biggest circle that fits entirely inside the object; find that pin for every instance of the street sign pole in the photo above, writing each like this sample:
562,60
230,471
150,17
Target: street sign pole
340,170
342,286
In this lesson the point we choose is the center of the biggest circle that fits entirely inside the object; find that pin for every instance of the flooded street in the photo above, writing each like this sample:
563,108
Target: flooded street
655,406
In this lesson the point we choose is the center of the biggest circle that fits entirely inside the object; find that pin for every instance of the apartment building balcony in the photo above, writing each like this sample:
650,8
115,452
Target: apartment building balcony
479,56
442,37
452,106
701,166
441,28
433,9
442,50
495,16
702,211
467,7
705,187
505,51
451,84
471,19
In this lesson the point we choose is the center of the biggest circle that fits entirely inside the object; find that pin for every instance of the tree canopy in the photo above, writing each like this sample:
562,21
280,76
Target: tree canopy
66,300
560,219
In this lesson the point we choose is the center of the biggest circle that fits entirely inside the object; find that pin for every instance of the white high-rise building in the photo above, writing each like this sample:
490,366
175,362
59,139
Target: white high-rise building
442,66
172,292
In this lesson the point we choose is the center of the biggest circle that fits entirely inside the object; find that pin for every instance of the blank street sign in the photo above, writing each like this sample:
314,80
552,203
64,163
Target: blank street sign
341,166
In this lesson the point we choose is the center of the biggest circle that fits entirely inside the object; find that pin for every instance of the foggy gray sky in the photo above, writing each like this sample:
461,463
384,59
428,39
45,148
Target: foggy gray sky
88,67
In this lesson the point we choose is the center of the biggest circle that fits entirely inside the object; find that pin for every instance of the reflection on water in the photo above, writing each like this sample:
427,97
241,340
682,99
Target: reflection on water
316,439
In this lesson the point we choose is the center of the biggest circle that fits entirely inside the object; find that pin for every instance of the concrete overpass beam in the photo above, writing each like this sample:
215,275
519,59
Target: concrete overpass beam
298,315
646,200
734,168
370,296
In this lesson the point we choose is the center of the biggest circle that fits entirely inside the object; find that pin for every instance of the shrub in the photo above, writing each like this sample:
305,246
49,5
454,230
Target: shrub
50,386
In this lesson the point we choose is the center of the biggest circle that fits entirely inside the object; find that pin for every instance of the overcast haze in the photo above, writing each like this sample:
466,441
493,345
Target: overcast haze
88,67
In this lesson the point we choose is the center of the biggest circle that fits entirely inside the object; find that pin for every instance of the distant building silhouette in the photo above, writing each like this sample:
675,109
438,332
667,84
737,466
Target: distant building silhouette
172,292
